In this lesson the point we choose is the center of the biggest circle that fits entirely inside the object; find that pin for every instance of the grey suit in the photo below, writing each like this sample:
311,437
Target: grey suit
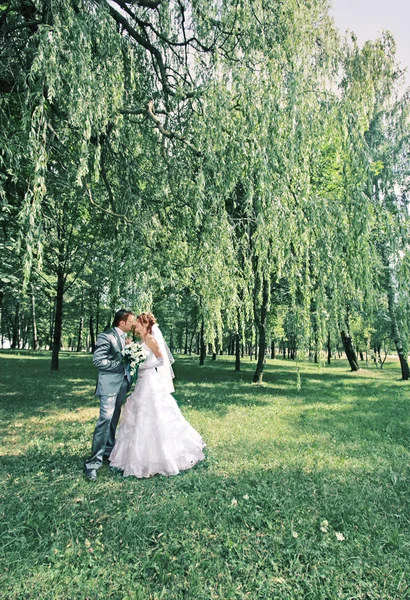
112,387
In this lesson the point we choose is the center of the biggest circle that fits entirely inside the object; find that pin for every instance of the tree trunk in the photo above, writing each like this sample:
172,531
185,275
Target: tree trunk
404,364
51,323
92,334
231,350
58,321
202,352
34,322
329,350
237,352
349,350
80,334
16,328
258,375
97,313
186,339
24,340
238,341
216,349
81,325
316,357
272,349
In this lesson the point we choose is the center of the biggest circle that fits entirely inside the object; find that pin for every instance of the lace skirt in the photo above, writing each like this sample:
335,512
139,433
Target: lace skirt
153,436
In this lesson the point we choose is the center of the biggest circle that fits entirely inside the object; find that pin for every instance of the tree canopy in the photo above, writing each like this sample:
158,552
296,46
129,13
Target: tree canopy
236,157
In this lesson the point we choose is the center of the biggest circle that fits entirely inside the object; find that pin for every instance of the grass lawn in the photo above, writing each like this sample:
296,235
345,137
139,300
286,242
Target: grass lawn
304,493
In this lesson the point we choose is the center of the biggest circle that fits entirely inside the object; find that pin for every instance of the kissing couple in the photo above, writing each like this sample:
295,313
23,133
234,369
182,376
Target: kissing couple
153,436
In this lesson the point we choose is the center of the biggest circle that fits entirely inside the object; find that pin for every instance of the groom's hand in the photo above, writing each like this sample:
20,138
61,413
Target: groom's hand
128,341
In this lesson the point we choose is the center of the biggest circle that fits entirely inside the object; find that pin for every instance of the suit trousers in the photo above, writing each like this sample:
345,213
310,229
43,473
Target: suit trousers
104,433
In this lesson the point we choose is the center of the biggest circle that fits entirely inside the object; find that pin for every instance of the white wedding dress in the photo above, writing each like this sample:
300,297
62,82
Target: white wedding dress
153,436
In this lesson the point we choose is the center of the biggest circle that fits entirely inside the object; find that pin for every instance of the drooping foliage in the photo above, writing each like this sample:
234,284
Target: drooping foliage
235,156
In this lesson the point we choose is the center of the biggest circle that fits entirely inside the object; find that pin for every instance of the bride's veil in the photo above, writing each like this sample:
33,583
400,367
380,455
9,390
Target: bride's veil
165,370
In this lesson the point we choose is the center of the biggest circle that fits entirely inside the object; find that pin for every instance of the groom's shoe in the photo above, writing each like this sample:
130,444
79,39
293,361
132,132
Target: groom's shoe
91,474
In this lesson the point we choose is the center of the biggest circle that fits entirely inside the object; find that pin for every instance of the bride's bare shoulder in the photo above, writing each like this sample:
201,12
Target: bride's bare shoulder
150,341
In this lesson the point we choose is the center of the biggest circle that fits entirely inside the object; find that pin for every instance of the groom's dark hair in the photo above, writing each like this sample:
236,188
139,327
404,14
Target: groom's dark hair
121,315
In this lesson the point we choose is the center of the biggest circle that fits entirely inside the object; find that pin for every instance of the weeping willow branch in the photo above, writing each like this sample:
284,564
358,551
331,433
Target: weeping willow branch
169,134
106,210
149,112
153,50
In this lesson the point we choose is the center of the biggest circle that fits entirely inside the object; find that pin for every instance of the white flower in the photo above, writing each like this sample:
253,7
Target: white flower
234,502
245,497
324,525
295,534
340,536
134,355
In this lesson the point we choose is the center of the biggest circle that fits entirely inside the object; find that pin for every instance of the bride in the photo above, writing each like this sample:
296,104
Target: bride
154,437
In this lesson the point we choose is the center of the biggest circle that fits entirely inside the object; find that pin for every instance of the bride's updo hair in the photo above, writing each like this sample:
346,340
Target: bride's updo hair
148,320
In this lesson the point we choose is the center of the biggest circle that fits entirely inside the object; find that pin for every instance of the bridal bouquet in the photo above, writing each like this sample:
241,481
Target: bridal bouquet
134,355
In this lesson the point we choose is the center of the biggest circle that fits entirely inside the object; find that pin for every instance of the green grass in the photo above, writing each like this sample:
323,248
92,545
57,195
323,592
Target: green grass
249,522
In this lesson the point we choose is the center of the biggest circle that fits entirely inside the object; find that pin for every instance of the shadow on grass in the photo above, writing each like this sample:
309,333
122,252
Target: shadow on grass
258,531
245,531
28,389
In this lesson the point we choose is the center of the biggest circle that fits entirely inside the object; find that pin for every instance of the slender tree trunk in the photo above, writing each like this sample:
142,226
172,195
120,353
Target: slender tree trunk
329,350
58,321
272,349
51,323
16,328
215,350
92,334
25,334
258,375
237,352
186,339
349,350
231,351
34,322
403,358
80,334
238,342
97,312
192,341
81,325
202,353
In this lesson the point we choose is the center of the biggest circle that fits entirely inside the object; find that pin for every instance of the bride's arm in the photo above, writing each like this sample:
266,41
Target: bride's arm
153,345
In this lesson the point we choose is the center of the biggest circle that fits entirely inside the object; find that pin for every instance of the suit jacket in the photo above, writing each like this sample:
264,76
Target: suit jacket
108,360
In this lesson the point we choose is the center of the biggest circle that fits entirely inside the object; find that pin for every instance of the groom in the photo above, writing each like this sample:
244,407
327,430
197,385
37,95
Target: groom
113,384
